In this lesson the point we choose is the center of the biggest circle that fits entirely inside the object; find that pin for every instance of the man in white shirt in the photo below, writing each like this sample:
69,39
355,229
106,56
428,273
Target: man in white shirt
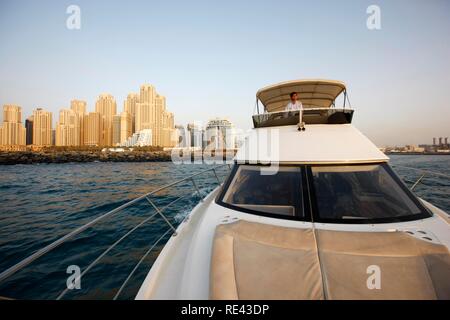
295,105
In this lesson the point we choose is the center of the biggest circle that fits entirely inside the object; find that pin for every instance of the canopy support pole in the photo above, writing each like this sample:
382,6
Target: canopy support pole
345,97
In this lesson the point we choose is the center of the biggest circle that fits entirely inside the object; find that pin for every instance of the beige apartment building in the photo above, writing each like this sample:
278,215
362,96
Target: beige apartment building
42,127
168,133
80,108
160,113
151,114
116,130
68,129
145,109
107,108
122,127
130,106
12,131
93,128
125,126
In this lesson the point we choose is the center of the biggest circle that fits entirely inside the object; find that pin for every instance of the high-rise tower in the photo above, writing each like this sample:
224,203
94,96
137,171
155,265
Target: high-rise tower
130,106
68,128
42,127
12,131
106,106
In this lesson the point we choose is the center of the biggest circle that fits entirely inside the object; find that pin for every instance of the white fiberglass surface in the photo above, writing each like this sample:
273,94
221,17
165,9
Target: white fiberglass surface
319,143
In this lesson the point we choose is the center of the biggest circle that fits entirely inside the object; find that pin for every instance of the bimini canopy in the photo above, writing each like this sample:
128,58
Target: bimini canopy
314,93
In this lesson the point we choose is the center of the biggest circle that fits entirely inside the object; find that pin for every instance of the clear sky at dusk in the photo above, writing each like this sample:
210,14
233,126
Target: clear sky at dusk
210,57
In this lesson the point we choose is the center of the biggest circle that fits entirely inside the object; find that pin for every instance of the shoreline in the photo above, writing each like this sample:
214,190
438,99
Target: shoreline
418,153
35,157
30,157
86,156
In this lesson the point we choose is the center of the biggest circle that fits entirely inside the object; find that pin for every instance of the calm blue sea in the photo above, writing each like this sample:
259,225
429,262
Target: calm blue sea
40,203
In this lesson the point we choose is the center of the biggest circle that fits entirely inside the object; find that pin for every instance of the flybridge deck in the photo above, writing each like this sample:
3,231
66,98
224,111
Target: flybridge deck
330,139
318,98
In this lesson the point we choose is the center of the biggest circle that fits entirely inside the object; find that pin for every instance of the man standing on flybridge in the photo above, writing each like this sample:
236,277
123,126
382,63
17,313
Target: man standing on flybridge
295,105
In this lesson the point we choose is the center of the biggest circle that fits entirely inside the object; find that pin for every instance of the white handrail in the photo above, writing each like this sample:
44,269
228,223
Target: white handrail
125,236
138,264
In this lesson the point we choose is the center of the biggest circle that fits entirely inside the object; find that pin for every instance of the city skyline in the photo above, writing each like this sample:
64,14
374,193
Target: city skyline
103,126
127,122
212,60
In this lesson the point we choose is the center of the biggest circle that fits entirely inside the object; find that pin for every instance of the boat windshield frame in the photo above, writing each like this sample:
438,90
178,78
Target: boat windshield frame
310,204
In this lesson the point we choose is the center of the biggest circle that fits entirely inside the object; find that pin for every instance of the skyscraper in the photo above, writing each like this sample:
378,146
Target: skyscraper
93,128
167,133
67,129
12,131
151,113
145,109
107,108
42,127
130,106
220,134
79,107
125,126
29,130
116,130
12,113
160,110
194,136
53,137
181,140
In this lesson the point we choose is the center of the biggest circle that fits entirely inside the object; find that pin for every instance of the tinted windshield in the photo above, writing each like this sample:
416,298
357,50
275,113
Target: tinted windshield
367,192
278,192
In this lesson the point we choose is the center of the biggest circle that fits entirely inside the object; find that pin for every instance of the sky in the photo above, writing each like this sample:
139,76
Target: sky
210,57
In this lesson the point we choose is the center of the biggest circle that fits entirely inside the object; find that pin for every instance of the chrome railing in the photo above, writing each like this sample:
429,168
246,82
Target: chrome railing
158,212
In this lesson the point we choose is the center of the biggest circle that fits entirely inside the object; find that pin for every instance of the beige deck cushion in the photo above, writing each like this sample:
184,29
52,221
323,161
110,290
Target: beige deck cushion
410,268
258,261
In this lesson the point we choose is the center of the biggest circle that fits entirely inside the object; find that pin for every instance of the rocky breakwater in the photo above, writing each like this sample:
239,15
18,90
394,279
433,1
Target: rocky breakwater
30,157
